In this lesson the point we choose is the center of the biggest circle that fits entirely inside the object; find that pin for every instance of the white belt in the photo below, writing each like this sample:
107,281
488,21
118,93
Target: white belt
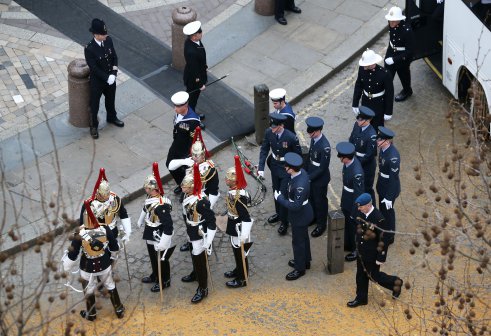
277,158
304,202
193,223
396,48
317,164
374,95
384,175
360,154
348,189
151,224
232,216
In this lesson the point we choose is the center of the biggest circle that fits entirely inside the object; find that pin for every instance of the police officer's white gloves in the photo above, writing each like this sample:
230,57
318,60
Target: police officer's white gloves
111,79
164,243
210,234
68,264
379,262
356,111
389,60
260,173
245,231
126,222
387,117
213,200
177,163
141,219
276,194
388,204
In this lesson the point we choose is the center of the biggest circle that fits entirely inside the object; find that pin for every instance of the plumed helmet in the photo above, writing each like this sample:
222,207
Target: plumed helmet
151,182
188,180
104,190
197,149
236,174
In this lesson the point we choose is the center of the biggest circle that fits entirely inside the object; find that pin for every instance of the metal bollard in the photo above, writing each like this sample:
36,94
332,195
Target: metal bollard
335,242
261,111
78,93
264,7
181,16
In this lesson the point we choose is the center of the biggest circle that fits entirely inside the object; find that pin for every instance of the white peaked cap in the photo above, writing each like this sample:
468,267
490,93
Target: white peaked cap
180,98
277,94
191,28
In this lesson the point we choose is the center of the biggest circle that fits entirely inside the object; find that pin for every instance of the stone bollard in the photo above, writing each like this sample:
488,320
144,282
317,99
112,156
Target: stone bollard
261,111
181,16
78,93
335,242
264,7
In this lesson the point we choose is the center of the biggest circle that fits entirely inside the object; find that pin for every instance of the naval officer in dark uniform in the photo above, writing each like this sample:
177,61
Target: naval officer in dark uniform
318,169
388,183
300,213
399,52
185,122
371,244
353,186
375,87
364,137
278,97
102,60
280,141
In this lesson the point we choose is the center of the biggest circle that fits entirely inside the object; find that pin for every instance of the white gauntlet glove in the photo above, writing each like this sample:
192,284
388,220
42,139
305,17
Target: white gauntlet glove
111,79
246,230
164,243
174,164
126,222
388,204
141,220
210,234
68,264
213,200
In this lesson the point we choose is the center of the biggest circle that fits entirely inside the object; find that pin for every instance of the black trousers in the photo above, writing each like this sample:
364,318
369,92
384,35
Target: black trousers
193,97
390,218
349,231
281,5
318,198
369,177
280,183
402,69
366,270
97,89
301,246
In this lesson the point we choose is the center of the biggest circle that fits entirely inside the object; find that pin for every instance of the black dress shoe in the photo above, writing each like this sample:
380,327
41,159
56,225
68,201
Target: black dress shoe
403,95
201,293
294,10
190,277
291,263
273,218
156,287
202,126
236,283
115,121
86,315
396,292
177,190
94,132
231,274
149,279
185,247
351,256
282,21
201,116
318,231
283,229
294,275
355,303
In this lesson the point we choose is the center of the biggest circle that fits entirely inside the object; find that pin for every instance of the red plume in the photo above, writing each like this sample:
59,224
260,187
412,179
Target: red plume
156,174
198,137
197,181
90,214
241,182
102,175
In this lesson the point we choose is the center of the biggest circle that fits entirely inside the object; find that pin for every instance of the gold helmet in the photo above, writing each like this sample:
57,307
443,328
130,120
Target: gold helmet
151,182
231,175
198,150
236,174
103,191
188,180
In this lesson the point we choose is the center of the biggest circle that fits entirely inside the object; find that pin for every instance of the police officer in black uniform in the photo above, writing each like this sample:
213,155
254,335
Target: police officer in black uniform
185,122
319,174
364,137
388,183
278,97
371,244
300,214
102,60
280,141
375,87
399,52
353,186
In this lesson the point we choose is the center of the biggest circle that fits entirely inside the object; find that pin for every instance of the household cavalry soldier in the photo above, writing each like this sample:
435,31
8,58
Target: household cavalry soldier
239,224
156,220
364,137
353,186
371,242
300,214
280,141
399,52
319,174
388,183
200,227
375,87
111,206
185,123
278,97
99,248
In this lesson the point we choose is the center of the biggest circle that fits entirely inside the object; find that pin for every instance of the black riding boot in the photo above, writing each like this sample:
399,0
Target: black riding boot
192,276
118,306
201,270
91,313
152,253
239,281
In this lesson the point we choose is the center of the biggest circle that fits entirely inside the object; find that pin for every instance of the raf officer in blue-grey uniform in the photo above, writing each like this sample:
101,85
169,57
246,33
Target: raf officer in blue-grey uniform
300,214
364,137
353,186
280,141
319,174
388,183
278,97
102,60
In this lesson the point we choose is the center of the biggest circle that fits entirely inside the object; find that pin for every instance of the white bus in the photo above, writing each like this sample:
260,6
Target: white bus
454,38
